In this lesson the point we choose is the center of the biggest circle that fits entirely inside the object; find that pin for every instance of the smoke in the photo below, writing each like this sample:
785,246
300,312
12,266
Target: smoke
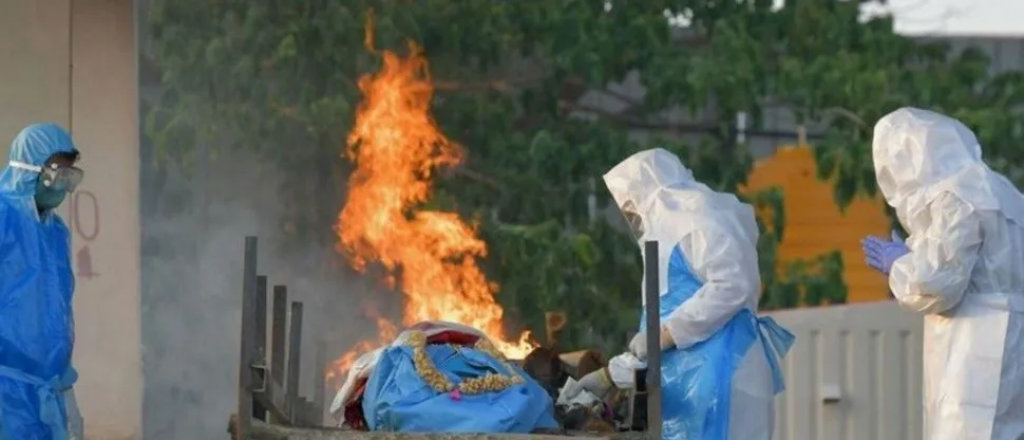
194,222
194,225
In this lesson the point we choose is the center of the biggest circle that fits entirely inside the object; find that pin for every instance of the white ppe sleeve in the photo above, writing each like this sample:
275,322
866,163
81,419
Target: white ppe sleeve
727,265
944,247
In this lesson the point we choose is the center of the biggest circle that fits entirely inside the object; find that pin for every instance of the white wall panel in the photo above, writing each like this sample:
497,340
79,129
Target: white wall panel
854,374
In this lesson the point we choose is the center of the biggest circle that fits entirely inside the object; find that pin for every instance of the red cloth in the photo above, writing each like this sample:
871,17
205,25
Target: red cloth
454,338
354,416
354,410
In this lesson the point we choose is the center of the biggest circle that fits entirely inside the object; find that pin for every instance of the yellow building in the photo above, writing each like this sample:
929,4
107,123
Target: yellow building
815,225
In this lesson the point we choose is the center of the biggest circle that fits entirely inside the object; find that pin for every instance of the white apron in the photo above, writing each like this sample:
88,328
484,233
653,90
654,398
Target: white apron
962,386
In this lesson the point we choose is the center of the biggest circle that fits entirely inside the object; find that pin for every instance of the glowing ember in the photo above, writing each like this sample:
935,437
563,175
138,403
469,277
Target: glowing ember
431,256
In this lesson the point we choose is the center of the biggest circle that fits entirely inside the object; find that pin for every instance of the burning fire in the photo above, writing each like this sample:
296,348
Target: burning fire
431,256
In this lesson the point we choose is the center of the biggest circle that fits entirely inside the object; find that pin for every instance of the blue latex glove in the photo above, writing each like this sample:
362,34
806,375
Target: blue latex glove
880,253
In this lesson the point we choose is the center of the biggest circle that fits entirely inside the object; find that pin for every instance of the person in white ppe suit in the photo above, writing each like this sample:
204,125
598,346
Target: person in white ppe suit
962,267
720,365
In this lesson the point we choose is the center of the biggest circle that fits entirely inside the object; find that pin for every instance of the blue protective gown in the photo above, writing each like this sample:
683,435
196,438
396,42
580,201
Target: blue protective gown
36,286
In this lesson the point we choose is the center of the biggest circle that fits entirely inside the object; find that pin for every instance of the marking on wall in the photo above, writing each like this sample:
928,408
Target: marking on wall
88,233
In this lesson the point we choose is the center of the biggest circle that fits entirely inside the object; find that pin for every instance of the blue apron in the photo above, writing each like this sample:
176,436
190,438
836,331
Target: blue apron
697,382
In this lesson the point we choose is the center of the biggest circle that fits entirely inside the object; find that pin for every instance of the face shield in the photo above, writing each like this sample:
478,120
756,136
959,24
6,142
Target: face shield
633,219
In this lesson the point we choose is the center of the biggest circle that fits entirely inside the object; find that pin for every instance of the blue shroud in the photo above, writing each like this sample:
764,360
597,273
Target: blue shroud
696,382
397,399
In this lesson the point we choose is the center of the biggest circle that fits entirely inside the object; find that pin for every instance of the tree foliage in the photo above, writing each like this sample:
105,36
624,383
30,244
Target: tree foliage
279,79
892,72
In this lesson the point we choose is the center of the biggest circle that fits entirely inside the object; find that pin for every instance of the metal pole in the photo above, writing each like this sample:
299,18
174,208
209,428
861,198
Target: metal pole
260,338
652,291
278,329
305,414
320,381
294,360
248,346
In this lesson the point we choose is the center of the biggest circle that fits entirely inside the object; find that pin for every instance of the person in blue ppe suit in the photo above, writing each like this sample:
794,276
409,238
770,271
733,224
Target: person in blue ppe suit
962,267
720,365
36,285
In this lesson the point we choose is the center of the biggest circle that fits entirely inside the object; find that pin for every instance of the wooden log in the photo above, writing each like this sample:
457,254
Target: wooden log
262,431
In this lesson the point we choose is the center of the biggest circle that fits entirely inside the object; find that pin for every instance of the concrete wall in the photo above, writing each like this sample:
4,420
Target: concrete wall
73,62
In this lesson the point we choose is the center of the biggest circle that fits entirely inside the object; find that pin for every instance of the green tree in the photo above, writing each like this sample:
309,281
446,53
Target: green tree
278,78
893,71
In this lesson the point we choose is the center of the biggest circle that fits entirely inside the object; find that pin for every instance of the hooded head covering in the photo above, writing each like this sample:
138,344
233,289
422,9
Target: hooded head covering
655,182
29,151
919,154
656,186
636,180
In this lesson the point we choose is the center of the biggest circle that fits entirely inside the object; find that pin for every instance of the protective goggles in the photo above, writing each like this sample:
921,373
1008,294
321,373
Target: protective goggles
60,178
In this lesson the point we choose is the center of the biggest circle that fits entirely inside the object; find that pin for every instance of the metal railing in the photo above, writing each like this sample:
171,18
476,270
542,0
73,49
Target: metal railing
266,390
269,392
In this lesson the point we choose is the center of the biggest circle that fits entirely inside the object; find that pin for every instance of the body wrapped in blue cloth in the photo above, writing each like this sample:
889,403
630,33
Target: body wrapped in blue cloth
422,386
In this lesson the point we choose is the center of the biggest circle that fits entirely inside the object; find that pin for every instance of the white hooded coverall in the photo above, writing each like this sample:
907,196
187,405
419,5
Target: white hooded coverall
720,379
964,271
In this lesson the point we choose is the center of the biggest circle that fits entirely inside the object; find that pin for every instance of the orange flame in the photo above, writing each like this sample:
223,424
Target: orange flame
431,256
387,331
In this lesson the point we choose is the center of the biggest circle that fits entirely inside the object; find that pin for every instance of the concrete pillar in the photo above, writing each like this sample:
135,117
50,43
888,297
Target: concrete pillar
74,62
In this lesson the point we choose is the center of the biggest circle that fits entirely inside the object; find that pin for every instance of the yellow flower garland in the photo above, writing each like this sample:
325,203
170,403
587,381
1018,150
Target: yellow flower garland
489,382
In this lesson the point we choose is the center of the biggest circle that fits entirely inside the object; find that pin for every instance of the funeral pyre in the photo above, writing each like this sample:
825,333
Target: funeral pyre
432,385
429,255
432,257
